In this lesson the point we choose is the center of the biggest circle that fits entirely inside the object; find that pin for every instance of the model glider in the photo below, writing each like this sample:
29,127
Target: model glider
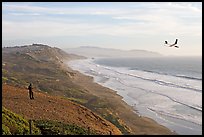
172,45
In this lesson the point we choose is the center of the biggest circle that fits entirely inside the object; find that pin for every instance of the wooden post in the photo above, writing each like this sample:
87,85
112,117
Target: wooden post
30,126
88,130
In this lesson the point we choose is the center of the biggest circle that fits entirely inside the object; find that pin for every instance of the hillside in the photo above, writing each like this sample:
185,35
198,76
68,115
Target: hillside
40,53
45,68
55,108
39,64
14,124
88,51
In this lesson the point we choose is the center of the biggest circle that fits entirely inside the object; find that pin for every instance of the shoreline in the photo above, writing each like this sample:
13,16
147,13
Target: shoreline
137,123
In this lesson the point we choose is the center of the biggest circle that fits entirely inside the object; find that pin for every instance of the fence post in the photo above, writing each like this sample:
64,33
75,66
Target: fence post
88,130
110,132
30,126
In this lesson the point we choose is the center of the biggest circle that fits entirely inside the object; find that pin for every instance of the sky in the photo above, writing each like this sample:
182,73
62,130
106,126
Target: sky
118,25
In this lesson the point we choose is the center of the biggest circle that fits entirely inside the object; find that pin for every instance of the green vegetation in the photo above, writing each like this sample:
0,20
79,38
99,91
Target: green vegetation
5,130
14,124
115,121
4,71
58,128
4,79
14,79
44,75
77,100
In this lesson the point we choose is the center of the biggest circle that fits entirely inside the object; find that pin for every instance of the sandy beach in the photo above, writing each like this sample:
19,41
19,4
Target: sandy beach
137,124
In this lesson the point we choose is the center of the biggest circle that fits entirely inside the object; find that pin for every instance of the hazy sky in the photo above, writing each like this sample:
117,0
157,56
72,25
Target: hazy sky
121,25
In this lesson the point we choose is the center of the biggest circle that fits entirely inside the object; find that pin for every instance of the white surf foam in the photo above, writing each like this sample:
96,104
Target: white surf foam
175,99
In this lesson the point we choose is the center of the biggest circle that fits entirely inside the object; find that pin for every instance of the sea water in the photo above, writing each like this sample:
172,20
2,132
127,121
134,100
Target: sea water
168,89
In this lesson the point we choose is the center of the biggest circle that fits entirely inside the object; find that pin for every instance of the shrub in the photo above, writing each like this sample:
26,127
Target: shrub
5,130
15,124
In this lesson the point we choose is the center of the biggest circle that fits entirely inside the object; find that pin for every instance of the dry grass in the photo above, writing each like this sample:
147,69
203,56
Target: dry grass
50,74
46,107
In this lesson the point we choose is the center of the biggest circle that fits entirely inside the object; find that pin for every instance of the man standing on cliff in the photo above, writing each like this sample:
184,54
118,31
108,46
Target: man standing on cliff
30,91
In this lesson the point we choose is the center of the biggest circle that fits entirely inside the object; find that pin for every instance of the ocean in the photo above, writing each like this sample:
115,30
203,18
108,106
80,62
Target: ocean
166,89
